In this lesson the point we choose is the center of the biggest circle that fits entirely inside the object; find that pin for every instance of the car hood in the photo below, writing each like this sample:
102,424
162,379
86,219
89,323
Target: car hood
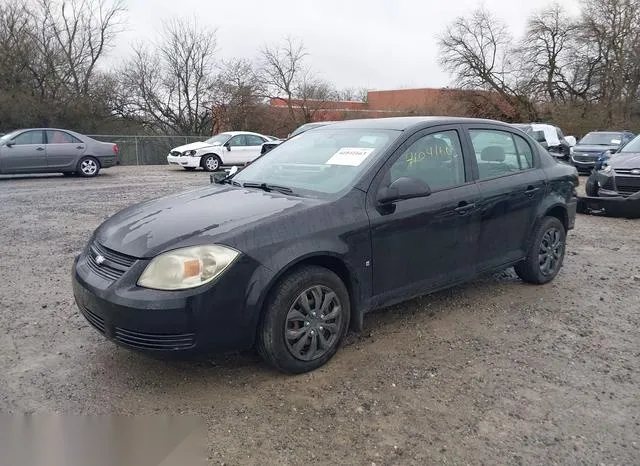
594,149
201,216
625,160
193,146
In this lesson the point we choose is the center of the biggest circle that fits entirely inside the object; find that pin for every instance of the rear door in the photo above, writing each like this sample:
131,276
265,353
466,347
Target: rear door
25,153
512,185
63,150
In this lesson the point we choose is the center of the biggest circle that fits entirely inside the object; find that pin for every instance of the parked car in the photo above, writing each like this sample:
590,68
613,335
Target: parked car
50,150
292,250
615,189
550,137
233,147
597,146
267,146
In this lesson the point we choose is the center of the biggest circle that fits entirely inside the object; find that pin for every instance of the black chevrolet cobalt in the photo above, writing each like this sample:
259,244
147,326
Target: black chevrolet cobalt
287,254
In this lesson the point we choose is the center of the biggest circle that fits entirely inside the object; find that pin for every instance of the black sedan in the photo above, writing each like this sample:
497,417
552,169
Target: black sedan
615,189
291,251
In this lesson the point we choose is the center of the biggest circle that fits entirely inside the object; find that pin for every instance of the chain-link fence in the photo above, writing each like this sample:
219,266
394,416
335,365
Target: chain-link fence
146,150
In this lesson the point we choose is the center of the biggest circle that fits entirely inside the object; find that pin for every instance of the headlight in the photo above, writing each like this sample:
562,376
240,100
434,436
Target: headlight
187,268
189,153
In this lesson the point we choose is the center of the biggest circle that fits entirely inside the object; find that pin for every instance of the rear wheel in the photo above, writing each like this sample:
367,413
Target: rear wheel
211,162
545,253
88,167
305,320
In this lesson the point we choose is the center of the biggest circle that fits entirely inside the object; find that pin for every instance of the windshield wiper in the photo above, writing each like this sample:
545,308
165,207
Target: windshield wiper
269,187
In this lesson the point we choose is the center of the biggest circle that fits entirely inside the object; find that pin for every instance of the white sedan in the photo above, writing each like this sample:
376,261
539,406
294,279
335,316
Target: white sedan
229,148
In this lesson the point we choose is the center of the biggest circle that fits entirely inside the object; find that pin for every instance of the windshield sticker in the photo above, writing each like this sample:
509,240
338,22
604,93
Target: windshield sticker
352,156
616,141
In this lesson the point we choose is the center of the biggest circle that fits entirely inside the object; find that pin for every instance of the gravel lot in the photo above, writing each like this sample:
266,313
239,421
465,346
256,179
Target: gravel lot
492,372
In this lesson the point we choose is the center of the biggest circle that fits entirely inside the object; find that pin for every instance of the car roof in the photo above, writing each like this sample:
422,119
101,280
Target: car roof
405,123
236,133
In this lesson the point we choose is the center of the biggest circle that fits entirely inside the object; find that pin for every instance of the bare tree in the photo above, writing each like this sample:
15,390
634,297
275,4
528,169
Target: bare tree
479,52
169,88
353,94
237,95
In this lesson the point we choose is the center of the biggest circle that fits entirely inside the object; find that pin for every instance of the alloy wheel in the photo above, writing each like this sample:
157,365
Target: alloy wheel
89,167
212,163
550,253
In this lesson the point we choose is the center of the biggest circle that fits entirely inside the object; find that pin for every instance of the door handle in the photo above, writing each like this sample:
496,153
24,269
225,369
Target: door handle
463,207
79,147
39,148
530,191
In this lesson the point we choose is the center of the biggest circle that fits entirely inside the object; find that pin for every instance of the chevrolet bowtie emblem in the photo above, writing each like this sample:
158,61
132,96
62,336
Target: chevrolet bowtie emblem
99,259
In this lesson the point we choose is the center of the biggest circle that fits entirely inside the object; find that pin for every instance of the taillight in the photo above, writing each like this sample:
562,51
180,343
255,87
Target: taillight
115,149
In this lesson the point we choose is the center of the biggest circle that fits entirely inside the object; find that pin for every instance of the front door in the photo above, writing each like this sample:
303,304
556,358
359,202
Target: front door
243,148
63,150
512,186
421,244
24,153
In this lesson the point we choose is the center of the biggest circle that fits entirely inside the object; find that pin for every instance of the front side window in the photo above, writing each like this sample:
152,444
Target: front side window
500,153
435,159
29,137
237,141
60,137
252,140
319,163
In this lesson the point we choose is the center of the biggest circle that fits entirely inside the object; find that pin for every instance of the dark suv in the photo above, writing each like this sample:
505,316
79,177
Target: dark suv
292,250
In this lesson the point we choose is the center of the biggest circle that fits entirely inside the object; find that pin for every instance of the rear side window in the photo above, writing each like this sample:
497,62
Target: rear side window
500,153
60,137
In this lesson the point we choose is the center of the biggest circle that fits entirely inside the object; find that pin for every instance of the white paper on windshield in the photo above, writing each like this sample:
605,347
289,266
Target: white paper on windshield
616,141
352,156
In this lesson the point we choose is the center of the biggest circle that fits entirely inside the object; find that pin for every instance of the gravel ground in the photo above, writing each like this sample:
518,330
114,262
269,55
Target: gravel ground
492,372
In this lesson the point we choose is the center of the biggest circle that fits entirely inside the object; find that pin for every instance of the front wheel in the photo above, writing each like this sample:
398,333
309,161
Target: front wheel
545,253
591,186
305,321
88,167
211,162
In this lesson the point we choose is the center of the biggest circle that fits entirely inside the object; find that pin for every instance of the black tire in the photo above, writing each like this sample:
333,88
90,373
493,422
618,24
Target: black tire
543,244
591,186
189,169
277,340
88,167
211,162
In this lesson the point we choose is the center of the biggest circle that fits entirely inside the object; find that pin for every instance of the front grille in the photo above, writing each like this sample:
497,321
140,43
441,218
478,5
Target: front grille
114,264
95,320
585,158
624,171
627,184
154,341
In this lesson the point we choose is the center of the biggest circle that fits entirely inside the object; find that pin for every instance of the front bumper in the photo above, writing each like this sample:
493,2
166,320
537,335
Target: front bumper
216,317
615,206
184,161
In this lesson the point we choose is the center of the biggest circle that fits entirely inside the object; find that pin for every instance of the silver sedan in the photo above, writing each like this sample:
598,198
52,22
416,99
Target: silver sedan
48,150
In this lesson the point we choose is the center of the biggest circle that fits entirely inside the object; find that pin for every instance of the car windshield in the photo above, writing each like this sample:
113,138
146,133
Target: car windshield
601,139
633,146
318,163
219,139
7,137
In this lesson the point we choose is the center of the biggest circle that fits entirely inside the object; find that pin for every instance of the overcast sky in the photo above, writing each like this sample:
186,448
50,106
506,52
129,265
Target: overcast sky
376,44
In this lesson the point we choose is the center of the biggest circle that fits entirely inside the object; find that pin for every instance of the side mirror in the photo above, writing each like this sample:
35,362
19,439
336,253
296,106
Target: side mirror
233,170
403,188
228,146
10,144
